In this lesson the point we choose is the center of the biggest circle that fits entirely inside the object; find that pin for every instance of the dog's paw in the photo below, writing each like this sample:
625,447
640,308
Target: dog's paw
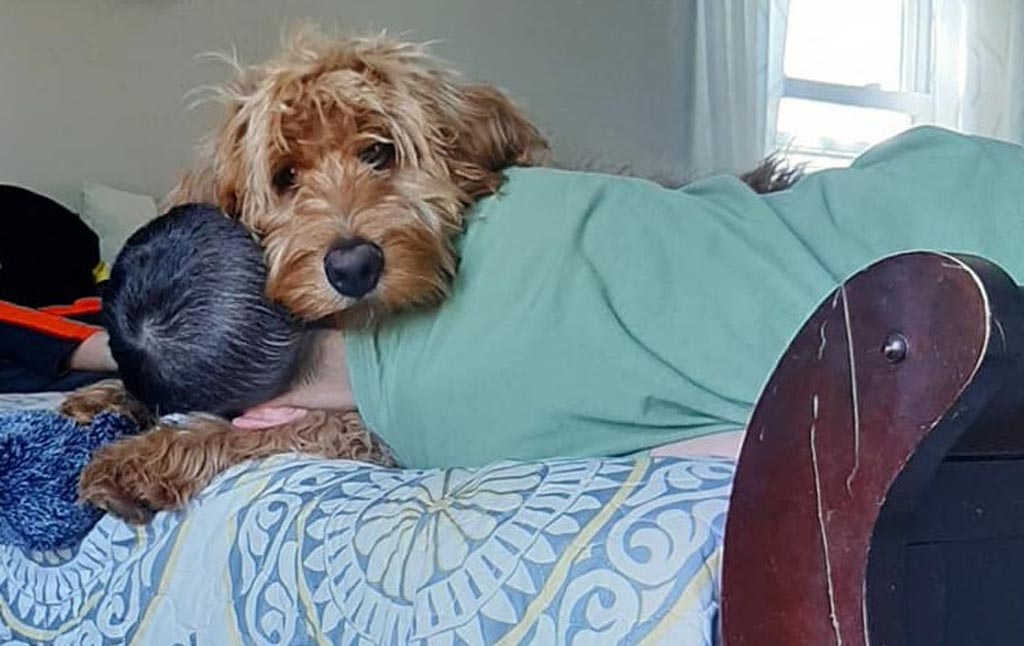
83,408
130,480
84,404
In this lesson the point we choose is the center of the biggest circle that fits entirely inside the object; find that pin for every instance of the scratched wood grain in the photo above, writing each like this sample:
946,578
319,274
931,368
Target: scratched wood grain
882,380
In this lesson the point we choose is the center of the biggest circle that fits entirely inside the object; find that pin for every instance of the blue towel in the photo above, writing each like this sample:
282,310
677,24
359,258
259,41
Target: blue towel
42,454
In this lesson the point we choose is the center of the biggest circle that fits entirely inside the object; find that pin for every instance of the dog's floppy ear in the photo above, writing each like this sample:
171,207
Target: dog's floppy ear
210,180
197,185
228,167
490,133
215,174
221,166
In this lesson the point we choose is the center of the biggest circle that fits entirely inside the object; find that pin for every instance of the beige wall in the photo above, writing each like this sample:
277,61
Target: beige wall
92,89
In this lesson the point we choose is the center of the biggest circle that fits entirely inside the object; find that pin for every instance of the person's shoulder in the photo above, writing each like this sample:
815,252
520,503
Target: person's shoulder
533,176
536,179
931,143
553,186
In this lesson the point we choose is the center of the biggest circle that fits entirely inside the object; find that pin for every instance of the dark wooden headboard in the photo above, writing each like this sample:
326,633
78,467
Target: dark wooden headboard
883,438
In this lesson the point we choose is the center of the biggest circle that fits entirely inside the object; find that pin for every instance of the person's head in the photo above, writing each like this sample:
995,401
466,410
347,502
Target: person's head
190,327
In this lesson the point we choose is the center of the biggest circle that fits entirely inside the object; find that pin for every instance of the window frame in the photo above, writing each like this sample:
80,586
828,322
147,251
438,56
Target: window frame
914,98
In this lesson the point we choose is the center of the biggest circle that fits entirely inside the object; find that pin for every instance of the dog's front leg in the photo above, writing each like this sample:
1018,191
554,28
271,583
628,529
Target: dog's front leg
108,396
166,467
161,469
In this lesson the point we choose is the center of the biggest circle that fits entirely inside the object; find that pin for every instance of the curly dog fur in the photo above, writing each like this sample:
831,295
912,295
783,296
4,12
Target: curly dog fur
332,140
197,333
366,138
168,465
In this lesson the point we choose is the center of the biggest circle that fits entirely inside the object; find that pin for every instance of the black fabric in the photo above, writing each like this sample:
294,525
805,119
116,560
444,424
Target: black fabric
16,378
37,352
47,254
32,361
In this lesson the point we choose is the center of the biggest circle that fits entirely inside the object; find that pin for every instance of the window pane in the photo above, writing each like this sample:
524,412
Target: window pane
837,131
852,42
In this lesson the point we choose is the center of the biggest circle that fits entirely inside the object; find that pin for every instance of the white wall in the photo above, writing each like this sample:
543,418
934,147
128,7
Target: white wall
92,89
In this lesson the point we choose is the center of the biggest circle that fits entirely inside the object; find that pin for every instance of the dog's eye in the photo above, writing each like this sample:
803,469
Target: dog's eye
380,155
284,179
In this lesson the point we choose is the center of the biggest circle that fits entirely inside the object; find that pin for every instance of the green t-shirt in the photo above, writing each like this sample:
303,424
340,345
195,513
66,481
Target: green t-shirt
597,315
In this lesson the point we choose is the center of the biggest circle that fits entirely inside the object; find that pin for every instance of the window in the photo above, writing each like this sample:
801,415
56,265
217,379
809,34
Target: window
856,72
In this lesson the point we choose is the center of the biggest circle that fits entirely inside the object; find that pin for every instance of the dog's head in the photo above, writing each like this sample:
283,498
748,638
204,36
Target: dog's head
354,161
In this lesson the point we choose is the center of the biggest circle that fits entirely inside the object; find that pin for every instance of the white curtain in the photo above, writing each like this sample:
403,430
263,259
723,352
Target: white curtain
734,49
979,67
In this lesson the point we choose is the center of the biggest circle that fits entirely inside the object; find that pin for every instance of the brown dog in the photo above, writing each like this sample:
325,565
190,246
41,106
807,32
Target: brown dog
360,157
354,161
168,465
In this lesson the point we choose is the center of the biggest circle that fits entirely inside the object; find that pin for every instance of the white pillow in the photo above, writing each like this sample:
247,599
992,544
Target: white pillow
114,215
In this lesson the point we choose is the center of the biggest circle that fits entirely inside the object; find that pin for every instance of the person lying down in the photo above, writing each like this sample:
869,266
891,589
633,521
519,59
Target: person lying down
596,315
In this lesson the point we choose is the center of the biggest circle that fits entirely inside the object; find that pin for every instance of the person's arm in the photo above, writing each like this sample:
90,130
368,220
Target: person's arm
325,387
93,354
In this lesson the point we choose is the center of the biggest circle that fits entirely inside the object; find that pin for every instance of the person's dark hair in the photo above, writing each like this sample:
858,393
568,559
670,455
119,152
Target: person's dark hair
190,327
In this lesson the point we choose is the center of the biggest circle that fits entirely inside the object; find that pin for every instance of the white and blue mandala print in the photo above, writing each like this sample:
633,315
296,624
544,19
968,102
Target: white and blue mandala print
301,551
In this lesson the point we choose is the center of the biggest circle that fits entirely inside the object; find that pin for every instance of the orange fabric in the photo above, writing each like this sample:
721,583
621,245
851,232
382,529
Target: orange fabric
45,322
87,305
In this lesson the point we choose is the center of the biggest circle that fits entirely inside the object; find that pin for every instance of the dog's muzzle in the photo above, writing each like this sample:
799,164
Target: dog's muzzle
354,266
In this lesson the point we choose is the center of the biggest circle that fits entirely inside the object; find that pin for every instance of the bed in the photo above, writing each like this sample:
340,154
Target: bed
875,463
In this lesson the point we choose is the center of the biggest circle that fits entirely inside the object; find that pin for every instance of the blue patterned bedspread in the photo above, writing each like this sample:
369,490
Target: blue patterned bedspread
294,550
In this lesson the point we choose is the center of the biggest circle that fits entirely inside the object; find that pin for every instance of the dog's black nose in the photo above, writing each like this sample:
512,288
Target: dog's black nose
353,267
